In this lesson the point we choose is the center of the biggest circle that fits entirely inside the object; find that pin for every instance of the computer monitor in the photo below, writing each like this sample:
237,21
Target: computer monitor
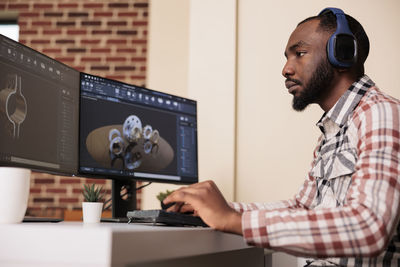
129,133
39,102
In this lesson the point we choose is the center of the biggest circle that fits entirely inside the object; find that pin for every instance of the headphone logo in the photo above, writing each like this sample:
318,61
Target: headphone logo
342,46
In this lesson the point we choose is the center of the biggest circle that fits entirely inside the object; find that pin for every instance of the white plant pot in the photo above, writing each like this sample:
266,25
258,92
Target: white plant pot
14,193
92,211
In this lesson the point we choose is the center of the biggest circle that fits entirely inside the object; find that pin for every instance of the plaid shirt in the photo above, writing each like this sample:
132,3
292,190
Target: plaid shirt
347,211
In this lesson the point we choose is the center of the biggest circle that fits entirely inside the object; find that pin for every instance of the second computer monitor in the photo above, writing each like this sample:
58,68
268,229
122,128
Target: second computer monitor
133,132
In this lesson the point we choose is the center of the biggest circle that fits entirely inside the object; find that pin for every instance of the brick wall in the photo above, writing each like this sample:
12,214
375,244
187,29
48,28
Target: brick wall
105,38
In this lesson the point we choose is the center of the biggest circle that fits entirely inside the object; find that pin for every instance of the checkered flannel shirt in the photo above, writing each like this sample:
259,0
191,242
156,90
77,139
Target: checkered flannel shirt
347,210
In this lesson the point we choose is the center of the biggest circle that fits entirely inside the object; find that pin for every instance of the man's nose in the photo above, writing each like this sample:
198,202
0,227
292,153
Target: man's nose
287,70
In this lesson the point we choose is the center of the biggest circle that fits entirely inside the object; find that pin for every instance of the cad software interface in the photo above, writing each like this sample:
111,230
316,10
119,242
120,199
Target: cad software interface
131,131
39,101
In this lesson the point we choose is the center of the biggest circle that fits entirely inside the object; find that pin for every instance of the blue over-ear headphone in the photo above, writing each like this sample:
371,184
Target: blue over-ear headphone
342,45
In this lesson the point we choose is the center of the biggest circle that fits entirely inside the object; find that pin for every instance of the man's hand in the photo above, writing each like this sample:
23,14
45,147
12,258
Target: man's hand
206,201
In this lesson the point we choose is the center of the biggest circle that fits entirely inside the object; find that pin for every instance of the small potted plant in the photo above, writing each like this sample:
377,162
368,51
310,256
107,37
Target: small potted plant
92,206
161,196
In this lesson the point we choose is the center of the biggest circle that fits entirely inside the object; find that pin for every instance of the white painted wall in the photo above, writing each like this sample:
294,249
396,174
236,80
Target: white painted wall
194,56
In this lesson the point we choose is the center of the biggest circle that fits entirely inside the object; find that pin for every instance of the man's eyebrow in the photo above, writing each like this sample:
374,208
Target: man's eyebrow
296,45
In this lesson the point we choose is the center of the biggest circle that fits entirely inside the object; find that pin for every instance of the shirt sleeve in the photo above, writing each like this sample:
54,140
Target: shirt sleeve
366,222
301,201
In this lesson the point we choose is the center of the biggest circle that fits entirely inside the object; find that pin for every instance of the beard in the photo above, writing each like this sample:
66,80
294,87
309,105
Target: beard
316,86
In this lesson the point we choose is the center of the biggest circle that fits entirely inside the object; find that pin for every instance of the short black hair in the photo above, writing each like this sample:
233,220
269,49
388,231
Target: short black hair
327,22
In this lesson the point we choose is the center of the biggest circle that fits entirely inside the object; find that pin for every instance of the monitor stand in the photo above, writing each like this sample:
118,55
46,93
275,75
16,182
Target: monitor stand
122,204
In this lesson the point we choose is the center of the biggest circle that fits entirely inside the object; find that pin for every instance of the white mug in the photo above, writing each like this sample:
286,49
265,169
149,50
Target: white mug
14,193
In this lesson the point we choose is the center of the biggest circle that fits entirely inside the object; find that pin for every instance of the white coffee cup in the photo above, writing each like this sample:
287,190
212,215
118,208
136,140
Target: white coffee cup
14,193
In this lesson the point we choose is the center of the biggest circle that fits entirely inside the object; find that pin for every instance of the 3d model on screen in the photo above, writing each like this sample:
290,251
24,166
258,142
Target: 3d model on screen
129,146
13,105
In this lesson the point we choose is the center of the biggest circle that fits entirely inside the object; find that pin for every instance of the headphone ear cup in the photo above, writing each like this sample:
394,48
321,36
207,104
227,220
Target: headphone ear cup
342,46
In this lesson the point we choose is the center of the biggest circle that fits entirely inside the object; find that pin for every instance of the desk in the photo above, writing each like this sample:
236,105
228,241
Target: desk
116,244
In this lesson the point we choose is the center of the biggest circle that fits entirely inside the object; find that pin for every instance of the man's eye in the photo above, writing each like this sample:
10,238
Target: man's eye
300,53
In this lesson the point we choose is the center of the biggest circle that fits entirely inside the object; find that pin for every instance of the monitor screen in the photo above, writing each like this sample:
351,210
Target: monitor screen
128,131
39,102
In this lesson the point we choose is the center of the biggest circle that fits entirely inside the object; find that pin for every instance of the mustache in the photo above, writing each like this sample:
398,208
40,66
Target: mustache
293,80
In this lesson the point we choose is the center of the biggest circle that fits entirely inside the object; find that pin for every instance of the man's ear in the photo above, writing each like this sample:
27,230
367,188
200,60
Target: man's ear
343,70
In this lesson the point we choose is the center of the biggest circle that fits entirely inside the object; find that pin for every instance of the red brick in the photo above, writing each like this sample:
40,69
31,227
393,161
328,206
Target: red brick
102,14
93,5
76,50
143,68
65,41
77,14
22,23
103,68
108,191
67,5
95,181
125,68
140,5
138,77
28,14
76,32
77,191
94,41
52,50
70,181
144,50
120,5
42,6
69,200
53,14
116,59
116,77
2,6
127,14
90,59
127,32
51,32
18,6
41,23
35,190
101,32
40,41
65,59
139,41
23,32
116,41
145,14
138,59
43,200
100,50
23,41
56,190
126,50
145,32
91,23
116,23
65,23
139,23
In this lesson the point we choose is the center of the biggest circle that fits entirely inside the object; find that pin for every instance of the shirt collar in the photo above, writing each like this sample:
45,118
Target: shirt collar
340,112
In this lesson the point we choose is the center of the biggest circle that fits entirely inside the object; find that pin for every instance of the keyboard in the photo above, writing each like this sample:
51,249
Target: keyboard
165,218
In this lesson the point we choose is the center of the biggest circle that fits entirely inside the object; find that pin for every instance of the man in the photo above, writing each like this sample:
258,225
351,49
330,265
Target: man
347,211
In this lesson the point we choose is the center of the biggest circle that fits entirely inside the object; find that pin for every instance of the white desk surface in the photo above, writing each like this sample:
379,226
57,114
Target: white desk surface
106,244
